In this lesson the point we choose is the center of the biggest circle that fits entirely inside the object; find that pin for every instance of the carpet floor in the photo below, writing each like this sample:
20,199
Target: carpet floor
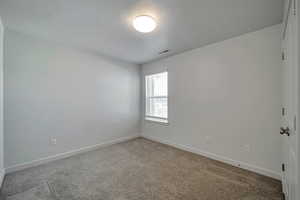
138,170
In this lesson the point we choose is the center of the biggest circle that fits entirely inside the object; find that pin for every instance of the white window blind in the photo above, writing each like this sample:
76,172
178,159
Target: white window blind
157,97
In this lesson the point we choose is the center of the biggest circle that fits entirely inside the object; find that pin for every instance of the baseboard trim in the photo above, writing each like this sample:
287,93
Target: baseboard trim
243,165
48,159
2,174
60,156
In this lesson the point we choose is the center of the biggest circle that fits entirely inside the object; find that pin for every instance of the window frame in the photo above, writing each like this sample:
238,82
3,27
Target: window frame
155,119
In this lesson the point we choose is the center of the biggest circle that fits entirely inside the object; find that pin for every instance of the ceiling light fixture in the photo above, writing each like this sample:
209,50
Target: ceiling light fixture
144,24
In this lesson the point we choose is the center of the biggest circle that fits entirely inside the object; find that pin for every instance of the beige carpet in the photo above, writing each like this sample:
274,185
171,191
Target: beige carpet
139,170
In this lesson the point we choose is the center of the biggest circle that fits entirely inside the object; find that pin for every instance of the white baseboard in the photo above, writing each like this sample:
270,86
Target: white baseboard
41,161
256,169
2,174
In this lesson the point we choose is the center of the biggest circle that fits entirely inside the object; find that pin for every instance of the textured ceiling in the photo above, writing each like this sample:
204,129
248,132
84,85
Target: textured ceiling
104,26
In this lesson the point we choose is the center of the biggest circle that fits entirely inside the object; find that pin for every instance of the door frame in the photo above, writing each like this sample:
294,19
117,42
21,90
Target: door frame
294,6
297,9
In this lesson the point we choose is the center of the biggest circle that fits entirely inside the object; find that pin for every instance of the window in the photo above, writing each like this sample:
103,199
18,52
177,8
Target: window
157,97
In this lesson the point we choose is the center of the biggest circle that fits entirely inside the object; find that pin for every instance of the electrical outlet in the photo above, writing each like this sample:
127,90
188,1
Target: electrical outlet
247,147
53,141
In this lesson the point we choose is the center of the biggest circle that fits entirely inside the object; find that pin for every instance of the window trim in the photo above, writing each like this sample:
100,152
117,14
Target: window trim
155,119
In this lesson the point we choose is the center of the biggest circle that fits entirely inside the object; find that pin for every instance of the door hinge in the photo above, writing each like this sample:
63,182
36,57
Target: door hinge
294,8
283,111
282,56
295,123
283,167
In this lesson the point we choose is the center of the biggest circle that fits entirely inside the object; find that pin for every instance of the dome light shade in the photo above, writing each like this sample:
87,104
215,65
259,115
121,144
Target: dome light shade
144,24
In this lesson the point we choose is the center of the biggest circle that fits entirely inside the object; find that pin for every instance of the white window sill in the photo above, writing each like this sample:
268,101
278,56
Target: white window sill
157,120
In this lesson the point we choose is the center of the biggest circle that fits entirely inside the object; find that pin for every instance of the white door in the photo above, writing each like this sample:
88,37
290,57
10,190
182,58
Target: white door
289,112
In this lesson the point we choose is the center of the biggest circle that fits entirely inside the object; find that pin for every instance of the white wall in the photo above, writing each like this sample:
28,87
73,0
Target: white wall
1,102
224,101
77,97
